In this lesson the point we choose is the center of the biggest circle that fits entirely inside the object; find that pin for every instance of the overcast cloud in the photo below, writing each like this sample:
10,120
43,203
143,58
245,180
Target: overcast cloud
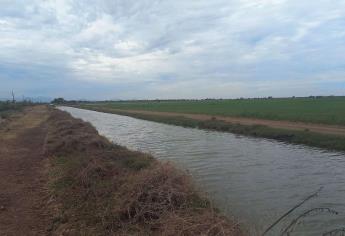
110,49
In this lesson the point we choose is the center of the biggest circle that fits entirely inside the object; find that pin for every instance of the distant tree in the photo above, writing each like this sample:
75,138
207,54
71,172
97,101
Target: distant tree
59,101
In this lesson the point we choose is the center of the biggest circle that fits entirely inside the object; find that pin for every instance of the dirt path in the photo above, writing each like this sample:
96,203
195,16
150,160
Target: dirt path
23,194
317,128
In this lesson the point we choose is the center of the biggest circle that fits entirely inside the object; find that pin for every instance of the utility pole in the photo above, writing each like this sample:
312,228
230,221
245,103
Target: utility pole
13,100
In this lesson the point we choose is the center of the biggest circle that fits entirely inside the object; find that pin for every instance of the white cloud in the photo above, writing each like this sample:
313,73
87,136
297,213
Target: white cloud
101,27
99,67
209,47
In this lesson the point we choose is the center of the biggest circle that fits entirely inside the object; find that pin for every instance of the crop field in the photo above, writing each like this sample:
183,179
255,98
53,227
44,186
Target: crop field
324,110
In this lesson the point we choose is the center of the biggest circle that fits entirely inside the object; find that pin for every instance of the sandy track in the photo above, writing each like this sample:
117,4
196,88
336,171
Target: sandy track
23,195
317,128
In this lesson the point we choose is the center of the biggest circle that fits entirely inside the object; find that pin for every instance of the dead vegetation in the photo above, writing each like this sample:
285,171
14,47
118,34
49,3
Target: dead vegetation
99,188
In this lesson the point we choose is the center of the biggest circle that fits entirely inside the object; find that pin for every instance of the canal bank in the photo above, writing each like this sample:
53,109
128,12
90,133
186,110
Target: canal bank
58,176
106,189
255,179
314,135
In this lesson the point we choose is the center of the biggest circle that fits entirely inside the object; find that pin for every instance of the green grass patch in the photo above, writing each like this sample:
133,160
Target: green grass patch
137,163
325,110
62,173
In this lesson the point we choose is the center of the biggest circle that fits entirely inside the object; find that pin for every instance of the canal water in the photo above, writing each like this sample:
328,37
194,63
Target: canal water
253,179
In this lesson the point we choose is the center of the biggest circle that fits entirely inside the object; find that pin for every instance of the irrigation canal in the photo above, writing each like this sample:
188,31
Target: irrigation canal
256,180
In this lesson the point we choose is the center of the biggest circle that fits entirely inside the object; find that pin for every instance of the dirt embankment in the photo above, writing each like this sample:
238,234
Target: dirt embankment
23,183
288,125
61,178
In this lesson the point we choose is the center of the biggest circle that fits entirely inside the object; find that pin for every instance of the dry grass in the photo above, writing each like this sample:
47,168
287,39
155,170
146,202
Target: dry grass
29,117
99,188
163,200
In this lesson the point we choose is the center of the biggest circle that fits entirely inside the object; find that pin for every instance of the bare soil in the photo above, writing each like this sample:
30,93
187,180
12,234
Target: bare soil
289,125
23,193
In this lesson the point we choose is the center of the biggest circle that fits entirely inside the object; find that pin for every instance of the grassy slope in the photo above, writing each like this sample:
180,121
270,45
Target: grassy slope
323,110
331,142
7,108
103,189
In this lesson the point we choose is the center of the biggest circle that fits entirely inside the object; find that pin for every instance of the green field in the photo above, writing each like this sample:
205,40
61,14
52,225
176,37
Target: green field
325,110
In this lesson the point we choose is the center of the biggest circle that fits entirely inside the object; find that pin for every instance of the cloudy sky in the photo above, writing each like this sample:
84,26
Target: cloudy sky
125,49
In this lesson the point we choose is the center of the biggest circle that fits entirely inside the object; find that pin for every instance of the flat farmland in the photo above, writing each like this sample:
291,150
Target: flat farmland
325,110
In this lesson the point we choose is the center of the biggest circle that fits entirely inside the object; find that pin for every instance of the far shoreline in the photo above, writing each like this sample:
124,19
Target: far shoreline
303,136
